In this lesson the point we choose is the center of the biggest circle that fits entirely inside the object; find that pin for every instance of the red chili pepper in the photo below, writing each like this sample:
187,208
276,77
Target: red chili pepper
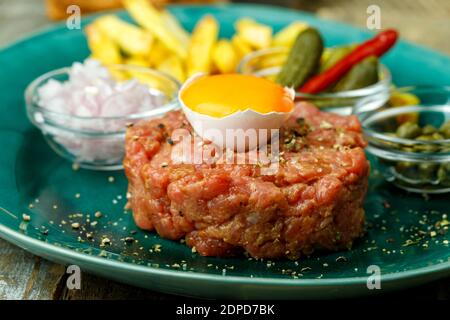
376,46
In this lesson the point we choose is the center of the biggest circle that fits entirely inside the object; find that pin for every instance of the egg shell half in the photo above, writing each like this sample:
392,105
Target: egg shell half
238,123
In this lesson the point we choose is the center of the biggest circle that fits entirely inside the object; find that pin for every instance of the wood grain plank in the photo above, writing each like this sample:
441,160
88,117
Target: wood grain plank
47,280
15,269
96,288
25,276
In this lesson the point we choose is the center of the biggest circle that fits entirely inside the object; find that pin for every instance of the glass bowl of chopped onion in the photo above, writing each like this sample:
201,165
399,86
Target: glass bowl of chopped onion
83,110
267,63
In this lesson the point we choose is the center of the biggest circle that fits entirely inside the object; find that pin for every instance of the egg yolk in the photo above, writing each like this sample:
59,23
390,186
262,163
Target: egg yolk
221,95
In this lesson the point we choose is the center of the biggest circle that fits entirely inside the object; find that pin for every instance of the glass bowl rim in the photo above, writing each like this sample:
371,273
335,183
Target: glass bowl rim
411,109
380,85
30,93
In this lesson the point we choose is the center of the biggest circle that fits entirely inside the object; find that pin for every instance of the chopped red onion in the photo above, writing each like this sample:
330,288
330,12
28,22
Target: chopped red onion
85,101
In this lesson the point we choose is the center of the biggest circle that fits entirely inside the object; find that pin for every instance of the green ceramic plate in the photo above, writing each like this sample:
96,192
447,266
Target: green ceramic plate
405,235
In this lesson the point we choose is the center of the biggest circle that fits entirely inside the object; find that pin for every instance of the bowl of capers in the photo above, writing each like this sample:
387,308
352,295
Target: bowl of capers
408,133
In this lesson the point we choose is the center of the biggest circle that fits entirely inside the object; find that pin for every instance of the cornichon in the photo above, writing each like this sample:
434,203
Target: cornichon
303,59
360,75
334,55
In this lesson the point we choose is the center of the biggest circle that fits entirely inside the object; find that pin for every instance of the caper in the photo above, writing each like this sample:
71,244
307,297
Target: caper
403,165
446,132
409,130
408,149
426,148
445,125
405,168
443,174
427,170
437,136
428,129
445,129
425,137
389,143
446,166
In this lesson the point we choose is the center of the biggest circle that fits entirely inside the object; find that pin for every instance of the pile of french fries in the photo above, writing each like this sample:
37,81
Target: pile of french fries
160,42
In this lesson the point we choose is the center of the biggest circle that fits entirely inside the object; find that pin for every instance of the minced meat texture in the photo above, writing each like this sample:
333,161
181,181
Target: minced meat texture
313,201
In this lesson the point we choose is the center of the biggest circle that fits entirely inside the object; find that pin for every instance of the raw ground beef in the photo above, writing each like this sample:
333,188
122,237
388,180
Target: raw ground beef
314,201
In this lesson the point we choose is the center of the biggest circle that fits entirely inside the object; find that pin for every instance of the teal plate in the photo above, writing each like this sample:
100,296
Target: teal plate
405,236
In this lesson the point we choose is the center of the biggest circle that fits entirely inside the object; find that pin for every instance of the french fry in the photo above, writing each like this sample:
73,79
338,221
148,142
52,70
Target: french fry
257,35
174,67
130,38
148,79
102,47
138,61
202,42
274,60
286,36
225,57
158,54
241,46
119,75
150,18
174,26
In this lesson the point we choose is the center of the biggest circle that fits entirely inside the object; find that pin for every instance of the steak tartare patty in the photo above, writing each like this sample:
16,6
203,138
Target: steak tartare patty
313,201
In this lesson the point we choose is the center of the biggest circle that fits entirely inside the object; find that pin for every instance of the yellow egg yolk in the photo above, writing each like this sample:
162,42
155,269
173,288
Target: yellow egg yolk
221,95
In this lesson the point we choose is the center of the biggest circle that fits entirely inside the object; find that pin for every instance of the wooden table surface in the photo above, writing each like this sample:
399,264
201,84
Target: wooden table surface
25,276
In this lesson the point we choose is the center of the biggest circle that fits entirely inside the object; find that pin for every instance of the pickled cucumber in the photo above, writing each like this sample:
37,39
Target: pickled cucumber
360,75
303,59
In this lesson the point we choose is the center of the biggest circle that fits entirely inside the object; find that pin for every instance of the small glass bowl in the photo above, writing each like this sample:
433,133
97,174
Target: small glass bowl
97,142
267,63
414,165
